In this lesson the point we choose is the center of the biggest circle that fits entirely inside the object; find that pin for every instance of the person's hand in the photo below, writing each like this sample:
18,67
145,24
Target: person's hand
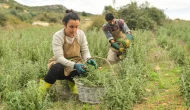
93,63
115,45
129,36
80,68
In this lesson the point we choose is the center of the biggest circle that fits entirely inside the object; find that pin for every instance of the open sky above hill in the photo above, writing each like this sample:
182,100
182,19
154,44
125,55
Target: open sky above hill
172,8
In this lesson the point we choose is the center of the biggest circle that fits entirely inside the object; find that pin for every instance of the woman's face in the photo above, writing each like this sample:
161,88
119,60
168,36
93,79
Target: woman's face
71,27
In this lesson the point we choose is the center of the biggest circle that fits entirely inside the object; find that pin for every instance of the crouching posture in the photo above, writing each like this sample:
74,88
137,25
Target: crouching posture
70,48
117,32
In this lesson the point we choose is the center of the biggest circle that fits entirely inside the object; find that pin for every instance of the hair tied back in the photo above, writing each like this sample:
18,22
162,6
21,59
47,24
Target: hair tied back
67,11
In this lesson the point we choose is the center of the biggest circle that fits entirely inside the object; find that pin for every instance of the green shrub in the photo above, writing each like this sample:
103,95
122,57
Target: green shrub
24,16
3,19
110,9
19,8
141,17
33,14
84,13
1,50
53,20
101,48
14,20
28,99
185,85
97,22
13,12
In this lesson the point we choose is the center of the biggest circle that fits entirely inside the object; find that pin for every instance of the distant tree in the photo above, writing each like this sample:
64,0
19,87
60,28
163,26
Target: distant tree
109,9
84,13
141,17
130,13
157,15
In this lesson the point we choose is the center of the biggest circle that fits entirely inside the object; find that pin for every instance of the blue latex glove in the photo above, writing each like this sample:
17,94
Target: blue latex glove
93,63
80,68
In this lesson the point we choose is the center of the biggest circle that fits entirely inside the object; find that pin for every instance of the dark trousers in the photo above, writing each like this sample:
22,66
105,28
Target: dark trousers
56,72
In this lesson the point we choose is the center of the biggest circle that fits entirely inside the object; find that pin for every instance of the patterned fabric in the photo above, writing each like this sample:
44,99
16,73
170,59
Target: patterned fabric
119,23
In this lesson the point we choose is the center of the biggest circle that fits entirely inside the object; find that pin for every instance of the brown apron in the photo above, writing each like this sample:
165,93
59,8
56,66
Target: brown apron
71,52
116,35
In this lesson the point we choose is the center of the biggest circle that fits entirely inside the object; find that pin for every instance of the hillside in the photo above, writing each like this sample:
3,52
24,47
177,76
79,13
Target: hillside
47,8
14,14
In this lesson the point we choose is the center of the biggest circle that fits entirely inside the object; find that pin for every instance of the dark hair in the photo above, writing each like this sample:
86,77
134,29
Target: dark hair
70,14
109,16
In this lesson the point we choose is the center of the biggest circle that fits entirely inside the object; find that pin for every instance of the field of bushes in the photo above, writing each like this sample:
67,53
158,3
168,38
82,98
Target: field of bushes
24,54
153,75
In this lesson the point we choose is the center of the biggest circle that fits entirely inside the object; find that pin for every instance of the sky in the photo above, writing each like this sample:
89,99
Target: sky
172,8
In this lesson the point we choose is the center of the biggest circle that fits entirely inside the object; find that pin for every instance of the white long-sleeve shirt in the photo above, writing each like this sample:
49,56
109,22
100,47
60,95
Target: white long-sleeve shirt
58,42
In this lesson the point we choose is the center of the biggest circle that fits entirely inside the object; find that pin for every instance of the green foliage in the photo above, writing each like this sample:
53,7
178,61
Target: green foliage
33,14
28,14
175,41
19,8
49,17
179,55
97,22
28,99
157,15
101,46
20,14
84,13
42,18
130,85
7,1
48,8
95,77
130,14
141,17
13,12
14,20
110,9
53,20
153,76
185,84
28,50
1,51
24,17
3,19
164,42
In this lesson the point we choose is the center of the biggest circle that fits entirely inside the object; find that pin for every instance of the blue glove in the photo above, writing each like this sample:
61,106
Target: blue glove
93,63
80,68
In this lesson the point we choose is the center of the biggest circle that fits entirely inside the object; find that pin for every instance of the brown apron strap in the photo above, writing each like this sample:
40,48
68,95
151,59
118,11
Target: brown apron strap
71,52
